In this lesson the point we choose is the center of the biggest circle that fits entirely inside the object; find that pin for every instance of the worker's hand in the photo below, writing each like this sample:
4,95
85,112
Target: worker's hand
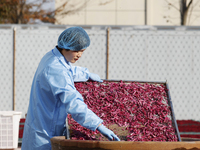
95,77
107,133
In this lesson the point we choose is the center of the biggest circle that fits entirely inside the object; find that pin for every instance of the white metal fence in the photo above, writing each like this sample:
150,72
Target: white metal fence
139,53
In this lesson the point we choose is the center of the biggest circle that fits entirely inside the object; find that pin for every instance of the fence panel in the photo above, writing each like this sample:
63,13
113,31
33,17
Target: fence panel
6,62
170,59
127,55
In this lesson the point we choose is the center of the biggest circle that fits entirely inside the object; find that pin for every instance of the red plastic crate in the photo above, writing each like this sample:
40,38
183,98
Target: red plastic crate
21,127
189,128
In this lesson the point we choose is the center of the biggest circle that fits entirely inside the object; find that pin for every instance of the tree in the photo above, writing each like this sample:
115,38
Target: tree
19,11
184,8
22,12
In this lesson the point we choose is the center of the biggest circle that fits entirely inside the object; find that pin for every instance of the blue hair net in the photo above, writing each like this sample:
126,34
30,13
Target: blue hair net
74,38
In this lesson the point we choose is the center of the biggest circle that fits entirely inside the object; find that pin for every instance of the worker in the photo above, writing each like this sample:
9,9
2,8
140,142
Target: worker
53,94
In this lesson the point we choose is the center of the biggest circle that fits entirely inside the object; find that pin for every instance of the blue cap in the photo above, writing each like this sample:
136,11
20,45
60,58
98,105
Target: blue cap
74,38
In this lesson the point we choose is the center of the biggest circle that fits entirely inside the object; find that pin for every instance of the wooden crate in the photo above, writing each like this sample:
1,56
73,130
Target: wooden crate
60,143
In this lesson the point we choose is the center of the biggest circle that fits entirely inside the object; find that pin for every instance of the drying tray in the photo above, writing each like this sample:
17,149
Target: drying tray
119,130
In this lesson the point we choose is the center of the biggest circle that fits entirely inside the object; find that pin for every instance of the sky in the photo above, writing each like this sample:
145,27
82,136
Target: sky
47,5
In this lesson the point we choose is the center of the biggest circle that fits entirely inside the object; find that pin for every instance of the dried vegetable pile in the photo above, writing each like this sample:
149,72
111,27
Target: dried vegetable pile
134,111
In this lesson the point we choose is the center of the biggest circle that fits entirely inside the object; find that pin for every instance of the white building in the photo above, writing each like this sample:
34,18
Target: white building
126,12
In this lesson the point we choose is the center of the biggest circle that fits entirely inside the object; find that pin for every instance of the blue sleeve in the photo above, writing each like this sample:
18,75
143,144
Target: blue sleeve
62,86
83,74
80,73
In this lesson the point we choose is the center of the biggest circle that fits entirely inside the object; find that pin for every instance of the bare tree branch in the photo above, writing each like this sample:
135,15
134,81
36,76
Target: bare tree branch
61,10
189,16
189,4
172,5
195,18
185,11
105,3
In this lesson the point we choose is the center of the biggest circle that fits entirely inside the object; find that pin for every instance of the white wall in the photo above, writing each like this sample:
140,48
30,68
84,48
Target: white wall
98,12
128,12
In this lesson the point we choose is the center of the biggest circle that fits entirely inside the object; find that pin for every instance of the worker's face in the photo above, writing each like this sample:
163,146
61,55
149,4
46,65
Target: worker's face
72,56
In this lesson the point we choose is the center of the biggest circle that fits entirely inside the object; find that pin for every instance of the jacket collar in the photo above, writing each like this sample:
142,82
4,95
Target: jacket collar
61,58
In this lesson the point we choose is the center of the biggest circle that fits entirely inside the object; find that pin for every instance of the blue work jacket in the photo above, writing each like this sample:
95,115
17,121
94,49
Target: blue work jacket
52,97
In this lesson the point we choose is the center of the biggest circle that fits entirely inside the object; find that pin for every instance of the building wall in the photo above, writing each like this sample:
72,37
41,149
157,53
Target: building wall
127,12
99,12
